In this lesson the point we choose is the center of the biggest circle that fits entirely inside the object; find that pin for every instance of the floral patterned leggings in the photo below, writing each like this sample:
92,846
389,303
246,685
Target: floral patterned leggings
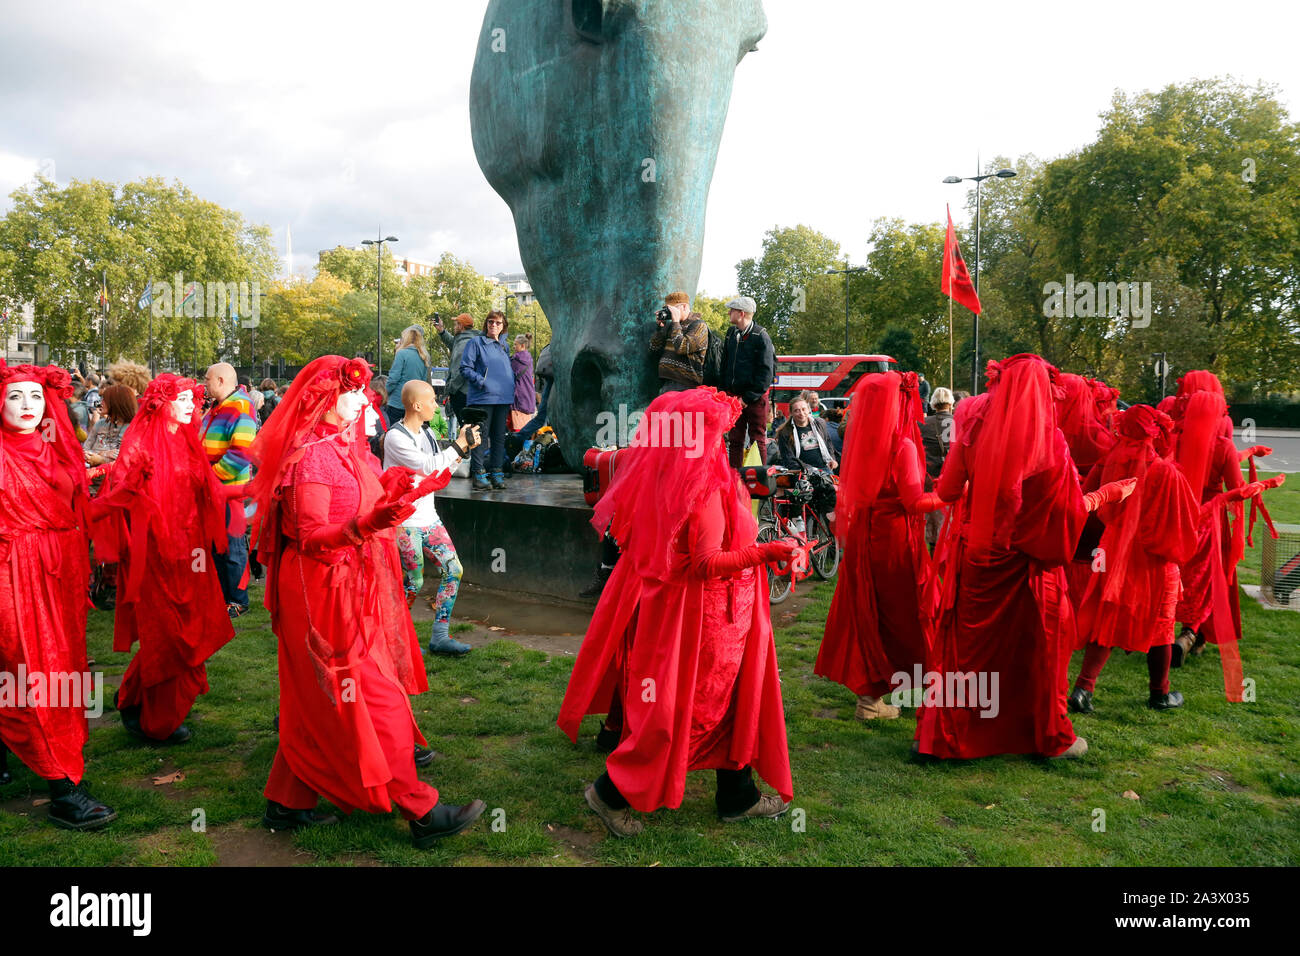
412,543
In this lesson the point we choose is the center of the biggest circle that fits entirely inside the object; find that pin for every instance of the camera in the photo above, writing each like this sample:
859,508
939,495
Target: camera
664,315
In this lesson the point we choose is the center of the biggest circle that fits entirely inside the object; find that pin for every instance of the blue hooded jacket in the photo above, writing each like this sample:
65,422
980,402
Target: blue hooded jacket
486,367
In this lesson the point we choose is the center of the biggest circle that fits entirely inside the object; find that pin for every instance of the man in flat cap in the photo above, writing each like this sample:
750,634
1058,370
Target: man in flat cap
748,369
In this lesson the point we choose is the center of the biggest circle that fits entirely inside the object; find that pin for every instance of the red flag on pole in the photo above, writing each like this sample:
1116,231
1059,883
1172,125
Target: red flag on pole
956,283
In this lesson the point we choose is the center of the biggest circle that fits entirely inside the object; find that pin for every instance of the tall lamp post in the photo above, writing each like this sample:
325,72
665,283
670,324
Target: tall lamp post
379,297
846,271
977,180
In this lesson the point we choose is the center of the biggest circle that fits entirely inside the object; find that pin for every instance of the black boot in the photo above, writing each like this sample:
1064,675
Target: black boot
1080,701
1182,647
1165,701
444,820
597,584
280,817
424,756
72,807
607,740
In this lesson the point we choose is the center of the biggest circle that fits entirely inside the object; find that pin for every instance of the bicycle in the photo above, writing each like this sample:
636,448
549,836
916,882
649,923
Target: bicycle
799,506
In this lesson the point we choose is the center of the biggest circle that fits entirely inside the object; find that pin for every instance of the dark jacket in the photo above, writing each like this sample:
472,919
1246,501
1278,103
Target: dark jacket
789,454
936,435
456,383
748,363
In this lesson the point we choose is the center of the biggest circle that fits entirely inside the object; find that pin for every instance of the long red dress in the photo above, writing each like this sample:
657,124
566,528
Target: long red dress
683,630
348,654
882,615
44,575
170,601
1129,602
1004,609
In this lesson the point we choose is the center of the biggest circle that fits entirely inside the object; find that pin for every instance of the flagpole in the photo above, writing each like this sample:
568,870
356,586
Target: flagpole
950,352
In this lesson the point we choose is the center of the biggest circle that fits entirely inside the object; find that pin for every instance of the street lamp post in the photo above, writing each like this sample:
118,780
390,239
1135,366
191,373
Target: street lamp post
977,180
845,272
379,297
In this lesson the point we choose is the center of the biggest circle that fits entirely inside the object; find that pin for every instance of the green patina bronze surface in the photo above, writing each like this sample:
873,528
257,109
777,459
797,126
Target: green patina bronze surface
598,123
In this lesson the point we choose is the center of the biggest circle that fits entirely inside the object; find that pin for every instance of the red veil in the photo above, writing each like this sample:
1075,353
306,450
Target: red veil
1017,442
885,409
659,617
657,487
150,460
44,569
1080,418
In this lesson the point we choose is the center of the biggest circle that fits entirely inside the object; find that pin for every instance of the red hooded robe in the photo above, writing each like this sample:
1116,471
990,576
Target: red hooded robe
683,626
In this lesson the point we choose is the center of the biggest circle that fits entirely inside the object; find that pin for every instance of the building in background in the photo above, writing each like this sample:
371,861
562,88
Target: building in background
18,327
515,283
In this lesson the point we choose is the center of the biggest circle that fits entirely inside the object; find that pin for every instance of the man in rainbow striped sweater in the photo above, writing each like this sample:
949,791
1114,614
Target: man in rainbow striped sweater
228,431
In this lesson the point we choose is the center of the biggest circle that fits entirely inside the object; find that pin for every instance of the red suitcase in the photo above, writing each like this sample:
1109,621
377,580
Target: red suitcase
597,472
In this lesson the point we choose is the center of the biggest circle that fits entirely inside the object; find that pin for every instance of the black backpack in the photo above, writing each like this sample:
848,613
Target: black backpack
713,360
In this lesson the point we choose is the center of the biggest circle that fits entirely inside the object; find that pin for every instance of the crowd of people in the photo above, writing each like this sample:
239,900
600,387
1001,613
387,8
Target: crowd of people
983,543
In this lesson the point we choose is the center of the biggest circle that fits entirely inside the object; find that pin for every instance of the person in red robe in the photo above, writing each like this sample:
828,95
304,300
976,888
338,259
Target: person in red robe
1129,602
349,657
683,631
1082,407
1204,451
169,510
44,574
881,622
997,673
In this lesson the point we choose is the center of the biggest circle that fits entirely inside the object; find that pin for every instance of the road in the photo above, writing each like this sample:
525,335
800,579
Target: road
1284,442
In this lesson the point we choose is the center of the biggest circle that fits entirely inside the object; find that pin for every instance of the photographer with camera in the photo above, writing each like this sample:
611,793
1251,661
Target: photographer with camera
410,444
681,342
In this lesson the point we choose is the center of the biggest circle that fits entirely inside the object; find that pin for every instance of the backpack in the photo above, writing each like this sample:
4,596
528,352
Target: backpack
713,360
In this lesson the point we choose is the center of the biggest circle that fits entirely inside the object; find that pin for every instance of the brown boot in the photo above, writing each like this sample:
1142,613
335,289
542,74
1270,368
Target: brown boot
873,708
1182,647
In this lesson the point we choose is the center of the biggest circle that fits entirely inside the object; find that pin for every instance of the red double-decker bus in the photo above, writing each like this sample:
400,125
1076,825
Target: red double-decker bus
830,376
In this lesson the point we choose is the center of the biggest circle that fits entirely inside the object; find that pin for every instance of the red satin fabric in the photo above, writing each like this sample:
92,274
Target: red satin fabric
348,654
1005,611
694,657
44,573
882,616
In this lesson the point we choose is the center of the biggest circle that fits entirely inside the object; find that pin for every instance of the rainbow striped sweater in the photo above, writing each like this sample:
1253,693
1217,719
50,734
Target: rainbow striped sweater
228,433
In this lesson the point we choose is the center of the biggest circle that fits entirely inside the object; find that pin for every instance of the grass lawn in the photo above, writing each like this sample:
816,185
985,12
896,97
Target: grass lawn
1218,784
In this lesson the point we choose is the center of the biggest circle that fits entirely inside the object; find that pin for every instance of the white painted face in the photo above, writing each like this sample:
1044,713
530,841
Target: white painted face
183,408
350,405
24,406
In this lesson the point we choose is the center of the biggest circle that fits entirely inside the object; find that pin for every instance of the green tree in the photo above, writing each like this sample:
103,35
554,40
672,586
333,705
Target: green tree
778,281
57,242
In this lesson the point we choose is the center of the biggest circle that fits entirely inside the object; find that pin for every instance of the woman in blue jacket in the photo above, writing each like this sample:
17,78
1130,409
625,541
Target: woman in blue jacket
485,365
410,363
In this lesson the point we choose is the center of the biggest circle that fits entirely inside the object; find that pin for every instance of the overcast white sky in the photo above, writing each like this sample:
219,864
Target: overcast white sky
850,110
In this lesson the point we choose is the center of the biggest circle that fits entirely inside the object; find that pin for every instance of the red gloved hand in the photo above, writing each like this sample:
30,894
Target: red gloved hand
397,481
1109,493
1275,482
778,552
929,501
1259,451
385,515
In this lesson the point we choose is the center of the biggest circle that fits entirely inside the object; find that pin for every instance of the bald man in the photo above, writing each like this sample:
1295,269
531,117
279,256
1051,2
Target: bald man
228,431
410,444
